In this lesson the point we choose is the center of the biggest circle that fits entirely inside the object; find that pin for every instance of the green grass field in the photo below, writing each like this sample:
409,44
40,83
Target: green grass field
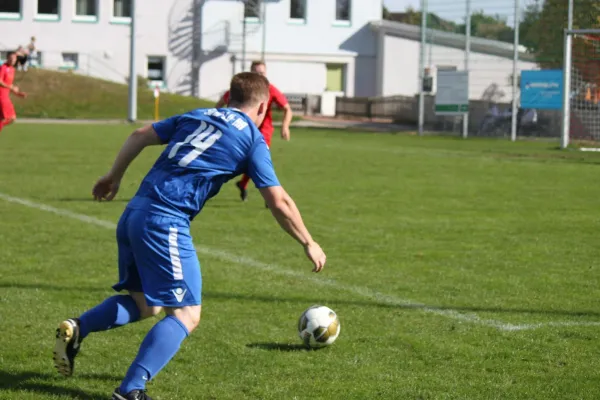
459,270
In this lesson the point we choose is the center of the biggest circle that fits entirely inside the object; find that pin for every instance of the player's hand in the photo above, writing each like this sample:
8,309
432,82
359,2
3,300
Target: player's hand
21,94
316,255
285,133
106,188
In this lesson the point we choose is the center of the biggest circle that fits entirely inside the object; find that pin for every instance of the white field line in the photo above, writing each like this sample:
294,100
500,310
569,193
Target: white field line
278,270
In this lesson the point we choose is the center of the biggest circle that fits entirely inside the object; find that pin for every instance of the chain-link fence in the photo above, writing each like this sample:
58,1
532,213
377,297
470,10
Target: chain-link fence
498,42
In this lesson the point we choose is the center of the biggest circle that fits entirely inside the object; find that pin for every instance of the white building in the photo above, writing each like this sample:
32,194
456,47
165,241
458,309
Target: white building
398,54
310,45
195,46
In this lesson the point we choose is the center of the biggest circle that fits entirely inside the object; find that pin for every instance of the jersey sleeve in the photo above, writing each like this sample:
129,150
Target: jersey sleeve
260,166
166,128
3,69
278,97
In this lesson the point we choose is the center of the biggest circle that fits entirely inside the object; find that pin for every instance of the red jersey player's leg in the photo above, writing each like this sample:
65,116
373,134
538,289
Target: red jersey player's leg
268,137
243,183
7,112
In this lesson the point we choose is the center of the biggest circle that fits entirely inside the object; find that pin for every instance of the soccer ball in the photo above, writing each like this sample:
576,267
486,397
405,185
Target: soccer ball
318,326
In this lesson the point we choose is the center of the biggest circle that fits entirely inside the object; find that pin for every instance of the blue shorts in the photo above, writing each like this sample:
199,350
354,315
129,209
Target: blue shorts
157,257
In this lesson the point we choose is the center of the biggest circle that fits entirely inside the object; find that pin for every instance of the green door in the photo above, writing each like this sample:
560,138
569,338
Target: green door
335,77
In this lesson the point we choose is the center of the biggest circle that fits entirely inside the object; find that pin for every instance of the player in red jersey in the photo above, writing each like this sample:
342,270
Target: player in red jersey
266,128
7,76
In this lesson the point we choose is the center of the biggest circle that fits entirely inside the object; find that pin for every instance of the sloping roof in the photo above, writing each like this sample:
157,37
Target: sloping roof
454,40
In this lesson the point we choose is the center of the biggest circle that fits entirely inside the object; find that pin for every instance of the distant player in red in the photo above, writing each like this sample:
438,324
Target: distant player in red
266,127
7,76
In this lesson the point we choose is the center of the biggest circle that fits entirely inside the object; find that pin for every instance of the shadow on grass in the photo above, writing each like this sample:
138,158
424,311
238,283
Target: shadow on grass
224,203
91,199
405,306
278,347
56,288
305,300
53,385
213,203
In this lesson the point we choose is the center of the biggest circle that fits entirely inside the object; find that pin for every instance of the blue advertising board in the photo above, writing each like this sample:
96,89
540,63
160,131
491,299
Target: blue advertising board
542,90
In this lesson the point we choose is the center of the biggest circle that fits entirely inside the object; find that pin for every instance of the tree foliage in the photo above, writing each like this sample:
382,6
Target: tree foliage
547,35
541,29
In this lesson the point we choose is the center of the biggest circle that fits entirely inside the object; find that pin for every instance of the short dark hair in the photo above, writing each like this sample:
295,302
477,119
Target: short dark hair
10,53
248,88
257,63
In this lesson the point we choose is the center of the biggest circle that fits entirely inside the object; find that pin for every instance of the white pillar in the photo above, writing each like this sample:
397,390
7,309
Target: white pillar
132,103
515,77
422,66
465,132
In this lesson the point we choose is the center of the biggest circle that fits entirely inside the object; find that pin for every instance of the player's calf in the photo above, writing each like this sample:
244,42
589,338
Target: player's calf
158,348
6,122
243,191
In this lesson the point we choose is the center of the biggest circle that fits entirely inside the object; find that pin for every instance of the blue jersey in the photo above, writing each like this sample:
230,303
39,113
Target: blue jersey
205,149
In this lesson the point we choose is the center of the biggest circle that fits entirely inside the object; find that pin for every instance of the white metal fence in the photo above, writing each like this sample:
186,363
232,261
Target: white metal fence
499,41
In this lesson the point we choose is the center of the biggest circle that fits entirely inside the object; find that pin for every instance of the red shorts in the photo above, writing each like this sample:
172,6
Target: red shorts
268,136
7,110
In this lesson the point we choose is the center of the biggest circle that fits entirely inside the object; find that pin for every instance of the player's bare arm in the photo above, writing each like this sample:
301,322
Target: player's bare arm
17,92
107,187
288,115
288,216
13,88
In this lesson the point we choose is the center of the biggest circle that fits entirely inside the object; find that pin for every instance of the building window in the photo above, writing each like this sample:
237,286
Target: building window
70,61
10,9
35,60
86,10
298,9
252,9
343,9
48,10
121,11
156,69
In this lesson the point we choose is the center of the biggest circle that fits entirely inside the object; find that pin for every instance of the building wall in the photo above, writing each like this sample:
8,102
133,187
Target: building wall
320,33
102,46
293,48
401,68
166,28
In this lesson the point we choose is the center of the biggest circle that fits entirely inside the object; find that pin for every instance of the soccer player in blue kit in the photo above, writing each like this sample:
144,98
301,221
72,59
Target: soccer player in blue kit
158,265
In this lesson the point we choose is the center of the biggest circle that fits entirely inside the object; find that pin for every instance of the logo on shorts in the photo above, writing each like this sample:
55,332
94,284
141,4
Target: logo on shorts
179,294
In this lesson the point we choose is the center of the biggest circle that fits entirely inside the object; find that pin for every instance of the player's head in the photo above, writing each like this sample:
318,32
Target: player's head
249,92
259,67
11,58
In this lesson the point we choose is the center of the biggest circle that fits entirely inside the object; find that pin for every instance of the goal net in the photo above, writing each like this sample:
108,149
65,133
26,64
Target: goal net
581,123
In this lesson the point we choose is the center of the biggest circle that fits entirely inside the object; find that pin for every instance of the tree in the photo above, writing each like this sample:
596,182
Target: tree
385,13
489,27
547,34
527,27
412,17
492,27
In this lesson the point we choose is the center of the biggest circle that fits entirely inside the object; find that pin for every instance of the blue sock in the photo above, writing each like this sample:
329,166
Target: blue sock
157,349
113,312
